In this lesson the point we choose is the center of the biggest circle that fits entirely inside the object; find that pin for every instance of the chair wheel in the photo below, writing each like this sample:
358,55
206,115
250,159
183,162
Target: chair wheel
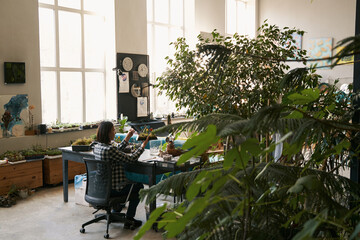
106,236
82,230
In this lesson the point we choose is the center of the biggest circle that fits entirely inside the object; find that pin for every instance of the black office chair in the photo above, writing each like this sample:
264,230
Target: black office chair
98,189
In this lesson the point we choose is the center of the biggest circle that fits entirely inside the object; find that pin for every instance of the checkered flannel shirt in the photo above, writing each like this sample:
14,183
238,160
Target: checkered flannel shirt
113,153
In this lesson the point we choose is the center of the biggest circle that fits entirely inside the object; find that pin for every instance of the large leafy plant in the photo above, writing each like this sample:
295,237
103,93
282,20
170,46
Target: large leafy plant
250,196
222,76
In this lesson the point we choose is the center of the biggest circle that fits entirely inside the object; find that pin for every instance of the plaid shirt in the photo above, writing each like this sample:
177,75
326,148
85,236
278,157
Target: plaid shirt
113,153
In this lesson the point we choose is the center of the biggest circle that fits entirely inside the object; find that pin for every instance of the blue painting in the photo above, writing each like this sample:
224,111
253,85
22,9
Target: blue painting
320,48
13,113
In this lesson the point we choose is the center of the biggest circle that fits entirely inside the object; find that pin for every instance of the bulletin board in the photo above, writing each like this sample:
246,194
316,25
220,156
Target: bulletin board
132,81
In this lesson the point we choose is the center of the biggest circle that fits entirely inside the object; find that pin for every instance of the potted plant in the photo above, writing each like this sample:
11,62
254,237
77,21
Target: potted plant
20,172
30,128
36,152
52,167
82,144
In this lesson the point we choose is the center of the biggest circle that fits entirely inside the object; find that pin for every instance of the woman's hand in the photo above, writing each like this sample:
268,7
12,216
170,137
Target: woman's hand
143,145
129,134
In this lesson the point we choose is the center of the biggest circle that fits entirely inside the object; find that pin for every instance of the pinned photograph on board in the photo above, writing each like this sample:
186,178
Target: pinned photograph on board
142,107
124,82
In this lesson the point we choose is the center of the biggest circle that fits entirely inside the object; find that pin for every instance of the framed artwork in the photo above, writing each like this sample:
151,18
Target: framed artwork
345,60
14,72
14,113
320,48
298,43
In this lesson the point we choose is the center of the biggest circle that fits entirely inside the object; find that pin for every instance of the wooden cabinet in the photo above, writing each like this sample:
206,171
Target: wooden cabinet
27,174
53,173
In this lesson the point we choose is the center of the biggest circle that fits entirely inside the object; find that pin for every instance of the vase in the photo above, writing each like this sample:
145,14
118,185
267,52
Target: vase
6,133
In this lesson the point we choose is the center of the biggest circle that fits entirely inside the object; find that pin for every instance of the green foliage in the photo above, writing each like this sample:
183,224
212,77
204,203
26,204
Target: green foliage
122,123
298,197
223,76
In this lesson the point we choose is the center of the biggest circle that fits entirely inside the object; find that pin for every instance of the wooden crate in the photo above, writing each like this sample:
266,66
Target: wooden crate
53,173
27,174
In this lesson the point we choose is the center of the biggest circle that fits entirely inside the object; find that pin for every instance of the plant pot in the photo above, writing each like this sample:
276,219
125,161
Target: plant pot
81,148
30,132
30,157
23,193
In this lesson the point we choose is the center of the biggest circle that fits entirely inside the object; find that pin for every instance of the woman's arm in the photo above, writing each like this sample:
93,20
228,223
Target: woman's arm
116,155
121,146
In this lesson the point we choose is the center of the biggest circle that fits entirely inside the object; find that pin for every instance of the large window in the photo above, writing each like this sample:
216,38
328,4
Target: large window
165,24
76,57
240,17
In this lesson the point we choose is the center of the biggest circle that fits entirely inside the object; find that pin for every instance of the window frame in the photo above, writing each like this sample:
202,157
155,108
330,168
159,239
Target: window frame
82,69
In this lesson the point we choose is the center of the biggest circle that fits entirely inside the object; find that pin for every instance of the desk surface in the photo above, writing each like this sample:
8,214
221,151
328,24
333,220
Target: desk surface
147,164
145,159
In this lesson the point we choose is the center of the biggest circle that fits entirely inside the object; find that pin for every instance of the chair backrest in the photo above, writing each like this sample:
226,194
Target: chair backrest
98,182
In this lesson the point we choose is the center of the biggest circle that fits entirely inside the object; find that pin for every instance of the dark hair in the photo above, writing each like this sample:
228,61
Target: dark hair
102,134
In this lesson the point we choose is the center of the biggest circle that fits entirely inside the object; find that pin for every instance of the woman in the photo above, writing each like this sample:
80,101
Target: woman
107,150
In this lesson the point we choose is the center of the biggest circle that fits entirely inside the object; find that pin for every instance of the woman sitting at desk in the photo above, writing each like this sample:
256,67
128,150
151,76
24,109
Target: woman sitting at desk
107,150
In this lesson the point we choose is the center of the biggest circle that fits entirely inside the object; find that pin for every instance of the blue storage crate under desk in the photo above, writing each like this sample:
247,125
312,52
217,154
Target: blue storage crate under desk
142,178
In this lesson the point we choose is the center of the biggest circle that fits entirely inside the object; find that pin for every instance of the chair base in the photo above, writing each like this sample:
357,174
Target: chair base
110,217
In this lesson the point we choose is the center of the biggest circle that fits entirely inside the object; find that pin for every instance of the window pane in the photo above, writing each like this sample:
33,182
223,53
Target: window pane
70,3
175,33
93,5
241,18
47,37
230,16
70,39
71,97
176,12
161,46
48,97
161,11
94,41
149,8
47,1
150,51
94,90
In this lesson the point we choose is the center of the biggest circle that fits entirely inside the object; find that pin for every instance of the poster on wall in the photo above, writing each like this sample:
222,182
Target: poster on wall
142,107
13,114
345,60
297,43
124,83
320,48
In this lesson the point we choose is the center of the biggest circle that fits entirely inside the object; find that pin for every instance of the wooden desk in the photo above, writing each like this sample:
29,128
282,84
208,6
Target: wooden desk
147,164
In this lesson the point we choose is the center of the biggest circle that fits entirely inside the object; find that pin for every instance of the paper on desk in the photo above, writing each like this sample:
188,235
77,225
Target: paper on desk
142,107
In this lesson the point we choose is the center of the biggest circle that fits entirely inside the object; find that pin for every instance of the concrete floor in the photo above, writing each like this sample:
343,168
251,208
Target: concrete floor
44,215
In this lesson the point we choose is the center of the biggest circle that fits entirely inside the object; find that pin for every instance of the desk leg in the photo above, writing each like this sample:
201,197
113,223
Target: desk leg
152,181
65,179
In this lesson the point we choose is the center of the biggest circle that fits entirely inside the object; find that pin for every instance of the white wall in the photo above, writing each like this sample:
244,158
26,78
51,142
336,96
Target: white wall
210,15
131,26
19,42
318,18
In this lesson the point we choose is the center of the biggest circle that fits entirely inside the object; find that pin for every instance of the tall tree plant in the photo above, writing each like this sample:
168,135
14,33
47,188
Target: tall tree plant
221,76
246,198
